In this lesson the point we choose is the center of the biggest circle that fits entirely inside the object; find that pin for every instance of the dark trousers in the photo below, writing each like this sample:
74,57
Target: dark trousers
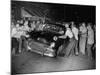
63,47
70,48
14,44
89,50
76,47
23,43
58,43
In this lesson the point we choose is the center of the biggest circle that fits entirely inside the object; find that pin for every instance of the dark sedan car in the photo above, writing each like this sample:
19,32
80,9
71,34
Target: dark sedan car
40,40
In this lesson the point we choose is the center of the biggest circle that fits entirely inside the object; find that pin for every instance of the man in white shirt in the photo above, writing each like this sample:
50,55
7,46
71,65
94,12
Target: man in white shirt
15,37
73,40
19,32
14,41
68,32
90,40
60,41
83,35
75,33
33,25
14,31
24,29
67,50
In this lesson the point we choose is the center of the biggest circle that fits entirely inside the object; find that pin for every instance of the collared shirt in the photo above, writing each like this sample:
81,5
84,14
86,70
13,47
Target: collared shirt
17,32
69,33
13,31
75,32
33,26
83,29
25,28
90,37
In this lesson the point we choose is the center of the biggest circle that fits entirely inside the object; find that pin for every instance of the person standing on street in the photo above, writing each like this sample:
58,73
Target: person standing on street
75,33
90,40
83,35
15,35
68,34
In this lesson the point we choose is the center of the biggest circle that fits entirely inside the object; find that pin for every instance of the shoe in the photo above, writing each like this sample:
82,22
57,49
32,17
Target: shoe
19,51
76,53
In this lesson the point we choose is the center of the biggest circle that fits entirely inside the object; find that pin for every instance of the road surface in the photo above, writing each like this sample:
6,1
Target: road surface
30,62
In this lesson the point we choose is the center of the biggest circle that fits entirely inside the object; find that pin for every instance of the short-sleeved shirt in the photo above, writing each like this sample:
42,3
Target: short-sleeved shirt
83,31
75,32
15,33
90,37
25,27
69,33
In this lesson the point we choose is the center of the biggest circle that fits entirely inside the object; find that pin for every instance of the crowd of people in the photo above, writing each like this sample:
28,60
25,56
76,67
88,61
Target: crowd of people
81,40
20,33
78,39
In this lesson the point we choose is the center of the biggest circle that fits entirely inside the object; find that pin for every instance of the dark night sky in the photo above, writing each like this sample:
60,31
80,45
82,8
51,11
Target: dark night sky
74,13
64,12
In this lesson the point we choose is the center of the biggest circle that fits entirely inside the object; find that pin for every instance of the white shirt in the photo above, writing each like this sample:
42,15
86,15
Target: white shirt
13,31
75,32
25,28
17,32
83,29
90,37
69,33
33,26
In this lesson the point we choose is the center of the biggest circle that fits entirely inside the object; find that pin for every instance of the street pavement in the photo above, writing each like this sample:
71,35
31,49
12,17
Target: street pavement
30,62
